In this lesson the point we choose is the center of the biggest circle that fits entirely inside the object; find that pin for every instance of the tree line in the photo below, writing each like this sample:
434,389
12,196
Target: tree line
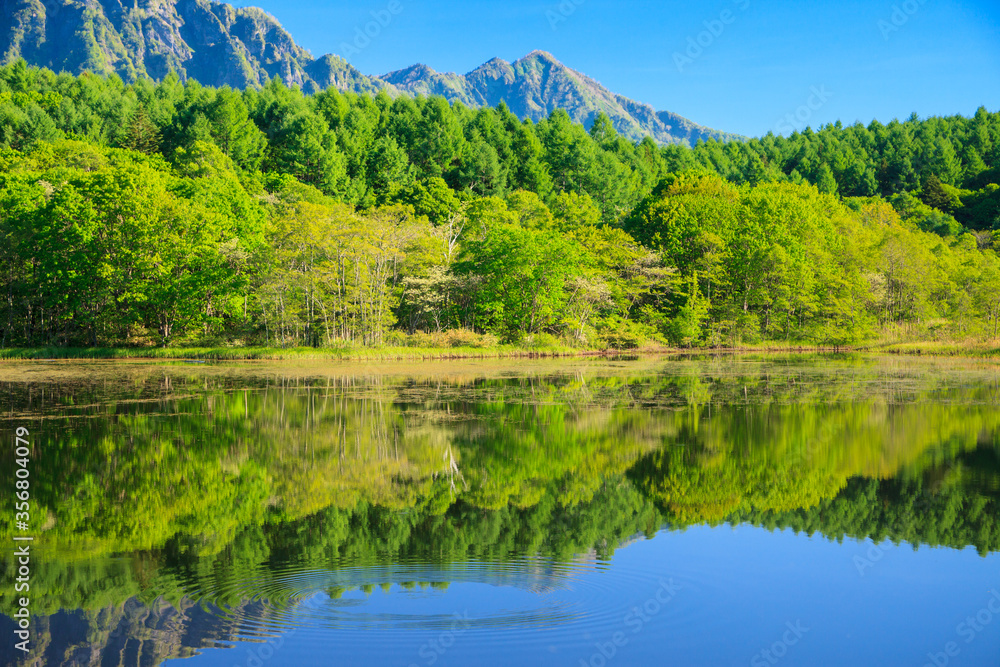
172,213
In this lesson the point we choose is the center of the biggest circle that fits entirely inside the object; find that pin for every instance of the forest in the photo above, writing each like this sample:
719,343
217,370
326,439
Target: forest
173,214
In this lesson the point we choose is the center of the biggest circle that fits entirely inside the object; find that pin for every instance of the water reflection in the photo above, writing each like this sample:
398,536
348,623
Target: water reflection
184,508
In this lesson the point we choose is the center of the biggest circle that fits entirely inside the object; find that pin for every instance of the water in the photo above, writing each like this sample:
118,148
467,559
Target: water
699,511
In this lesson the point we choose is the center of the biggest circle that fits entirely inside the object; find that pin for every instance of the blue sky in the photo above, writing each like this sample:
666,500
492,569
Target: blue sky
756,62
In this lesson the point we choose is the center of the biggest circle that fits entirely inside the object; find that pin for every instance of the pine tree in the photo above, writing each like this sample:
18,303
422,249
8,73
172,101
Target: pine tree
826,183
141,134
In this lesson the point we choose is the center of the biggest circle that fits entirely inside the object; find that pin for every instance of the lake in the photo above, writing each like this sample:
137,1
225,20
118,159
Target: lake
703,510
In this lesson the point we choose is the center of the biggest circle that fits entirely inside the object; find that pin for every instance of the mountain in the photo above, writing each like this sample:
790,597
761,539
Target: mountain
133,632
214,43
537,84
218,44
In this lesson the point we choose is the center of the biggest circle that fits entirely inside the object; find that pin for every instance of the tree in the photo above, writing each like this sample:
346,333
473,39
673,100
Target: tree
387,166
522,278
479,170
431,198
603,130
825,182
572,211
529,210
233,131
437,139
141,135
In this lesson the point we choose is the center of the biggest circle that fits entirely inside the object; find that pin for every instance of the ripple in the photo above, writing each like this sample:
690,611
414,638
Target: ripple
406,595
550,604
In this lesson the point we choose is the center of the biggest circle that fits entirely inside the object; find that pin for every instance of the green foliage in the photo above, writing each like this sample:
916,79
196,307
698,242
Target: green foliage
687,327
168,213
120,250
521,278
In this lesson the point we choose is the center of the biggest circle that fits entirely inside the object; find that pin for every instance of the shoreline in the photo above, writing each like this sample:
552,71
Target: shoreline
978,349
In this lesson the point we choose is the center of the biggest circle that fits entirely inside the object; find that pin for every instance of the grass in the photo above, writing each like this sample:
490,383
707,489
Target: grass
969,348
266,353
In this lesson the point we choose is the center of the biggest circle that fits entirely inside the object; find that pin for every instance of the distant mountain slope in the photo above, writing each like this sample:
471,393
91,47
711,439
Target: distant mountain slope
215,43
537,84
218,44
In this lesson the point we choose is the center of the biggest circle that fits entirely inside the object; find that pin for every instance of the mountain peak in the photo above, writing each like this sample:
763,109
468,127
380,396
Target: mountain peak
492,63
409,75
537,84
494,67
538,54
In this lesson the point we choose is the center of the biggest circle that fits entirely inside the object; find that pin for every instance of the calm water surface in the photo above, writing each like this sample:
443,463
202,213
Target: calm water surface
827,510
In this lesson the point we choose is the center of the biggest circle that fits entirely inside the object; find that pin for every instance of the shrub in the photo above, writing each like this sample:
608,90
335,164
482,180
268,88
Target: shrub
540,341
622,334
450,338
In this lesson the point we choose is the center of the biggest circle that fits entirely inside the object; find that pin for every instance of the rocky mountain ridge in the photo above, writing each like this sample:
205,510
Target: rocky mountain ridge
221,45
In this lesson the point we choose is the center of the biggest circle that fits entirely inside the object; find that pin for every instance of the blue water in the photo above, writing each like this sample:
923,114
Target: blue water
703,596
